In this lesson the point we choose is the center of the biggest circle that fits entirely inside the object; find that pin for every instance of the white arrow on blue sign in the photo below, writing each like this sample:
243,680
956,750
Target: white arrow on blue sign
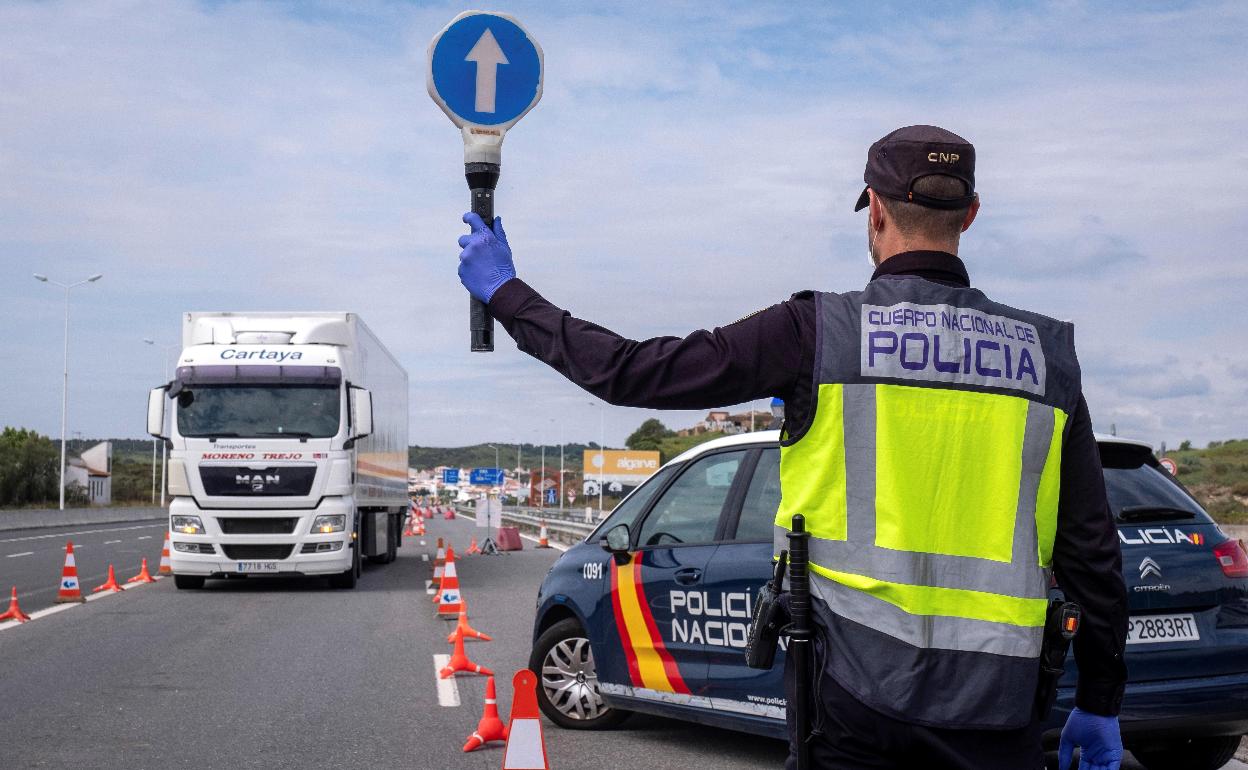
485,70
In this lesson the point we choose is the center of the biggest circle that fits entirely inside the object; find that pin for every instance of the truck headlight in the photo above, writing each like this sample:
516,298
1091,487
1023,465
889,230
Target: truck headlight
326,523
186,525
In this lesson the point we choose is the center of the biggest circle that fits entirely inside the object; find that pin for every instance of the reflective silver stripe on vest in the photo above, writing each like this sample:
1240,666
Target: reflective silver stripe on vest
927,631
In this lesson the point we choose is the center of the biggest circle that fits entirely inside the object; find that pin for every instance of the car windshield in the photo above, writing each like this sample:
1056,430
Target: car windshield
1139,489
258,411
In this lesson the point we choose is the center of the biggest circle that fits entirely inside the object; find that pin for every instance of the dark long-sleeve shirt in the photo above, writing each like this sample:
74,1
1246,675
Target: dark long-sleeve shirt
771,353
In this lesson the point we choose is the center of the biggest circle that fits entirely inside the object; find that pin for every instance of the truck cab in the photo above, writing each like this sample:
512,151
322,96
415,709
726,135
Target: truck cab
287,438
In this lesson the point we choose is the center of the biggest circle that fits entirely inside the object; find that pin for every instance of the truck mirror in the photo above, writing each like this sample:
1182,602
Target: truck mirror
156,412
617,542
361,412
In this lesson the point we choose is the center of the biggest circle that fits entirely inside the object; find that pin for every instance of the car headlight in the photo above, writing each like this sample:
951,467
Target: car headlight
186,525
324,524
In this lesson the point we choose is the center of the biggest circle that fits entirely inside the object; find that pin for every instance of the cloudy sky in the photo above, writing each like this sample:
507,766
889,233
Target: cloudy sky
688,164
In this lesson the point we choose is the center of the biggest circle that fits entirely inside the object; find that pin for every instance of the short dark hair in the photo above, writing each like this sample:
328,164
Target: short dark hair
937,224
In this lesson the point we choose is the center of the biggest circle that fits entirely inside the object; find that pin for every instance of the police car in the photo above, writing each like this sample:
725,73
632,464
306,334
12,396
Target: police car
651,612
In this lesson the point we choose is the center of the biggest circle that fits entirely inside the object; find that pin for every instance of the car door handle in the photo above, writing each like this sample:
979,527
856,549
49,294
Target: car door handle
688,576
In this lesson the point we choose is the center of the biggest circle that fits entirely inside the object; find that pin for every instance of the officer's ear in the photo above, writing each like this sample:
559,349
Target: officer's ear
970,214
875,211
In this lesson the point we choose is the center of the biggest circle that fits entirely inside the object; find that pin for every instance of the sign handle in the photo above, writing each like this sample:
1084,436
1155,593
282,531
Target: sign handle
482,179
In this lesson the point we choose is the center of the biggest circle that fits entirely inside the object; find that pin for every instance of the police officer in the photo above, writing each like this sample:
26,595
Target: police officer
941,451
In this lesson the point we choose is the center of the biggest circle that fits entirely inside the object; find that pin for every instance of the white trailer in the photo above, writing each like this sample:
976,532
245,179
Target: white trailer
287,435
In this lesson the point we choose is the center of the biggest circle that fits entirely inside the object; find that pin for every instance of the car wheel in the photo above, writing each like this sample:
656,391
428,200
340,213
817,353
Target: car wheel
188,582
1190,754
569,694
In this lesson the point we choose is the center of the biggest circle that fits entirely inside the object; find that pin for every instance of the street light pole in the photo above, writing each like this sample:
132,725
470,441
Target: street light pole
561,490
65,368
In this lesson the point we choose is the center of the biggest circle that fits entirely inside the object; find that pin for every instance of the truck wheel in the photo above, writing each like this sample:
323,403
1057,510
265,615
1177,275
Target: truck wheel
188,582
347,579
569,694
1190,754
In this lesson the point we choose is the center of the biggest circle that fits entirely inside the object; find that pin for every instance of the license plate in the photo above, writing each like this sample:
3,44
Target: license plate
256,566
1153,629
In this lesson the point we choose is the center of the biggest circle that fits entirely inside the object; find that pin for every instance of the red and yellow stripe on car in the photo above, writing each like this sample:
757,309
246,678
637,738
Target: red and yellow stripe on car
650,665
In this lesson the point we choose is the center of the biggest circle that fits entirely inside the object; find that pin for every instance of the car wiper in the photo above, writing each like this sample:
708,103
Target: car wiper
285,433
1154,513
211,436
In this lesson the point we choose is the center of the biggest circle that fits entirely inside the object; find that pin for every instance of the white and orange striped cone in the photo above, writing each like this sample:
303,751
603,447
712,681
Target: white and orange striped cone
526,747
418,528
166,566
490,728
14,612
144,576
449,603
543,536
463,629
473,548
69,590
439,561
110,584
460,663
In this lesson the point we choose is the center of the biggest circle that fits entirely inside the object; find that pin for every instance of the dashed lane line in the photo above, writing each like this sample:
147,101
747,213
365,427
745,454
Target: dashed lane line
110,542
448,690
81,532
145,537
15,555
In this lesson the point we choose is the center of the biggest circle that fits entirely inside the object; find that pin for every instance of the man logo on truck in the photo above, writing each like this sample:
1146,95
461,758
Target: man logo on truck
257,481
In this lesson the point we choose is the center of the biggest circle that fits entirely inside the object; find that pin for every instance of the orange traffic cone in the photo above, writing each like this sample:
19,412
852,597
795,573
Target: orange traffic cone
166,566
69,590
526,748
439,559
428,513
473,548
110,584
420,527
490,728
449,513
466,631
449,603
144,576
14,612
459,662
543,536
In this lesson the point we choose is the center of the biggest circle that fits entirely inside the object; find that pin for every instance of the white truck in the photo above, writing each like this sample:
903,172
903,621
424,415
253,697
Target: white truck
287,435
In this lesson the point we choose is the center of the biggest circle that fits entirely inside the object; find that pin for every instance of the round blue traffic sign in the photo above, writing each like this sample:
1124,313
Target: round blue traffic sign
485,69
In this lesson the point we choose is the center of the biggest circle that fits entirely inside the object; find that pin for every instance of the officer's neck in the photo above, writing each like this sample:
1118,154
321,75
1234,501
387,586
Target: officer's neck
898,246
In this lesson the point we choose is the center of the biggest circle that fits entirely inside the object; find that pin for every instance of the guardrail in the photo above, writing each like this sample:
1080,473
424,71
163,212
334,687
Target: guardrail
529,520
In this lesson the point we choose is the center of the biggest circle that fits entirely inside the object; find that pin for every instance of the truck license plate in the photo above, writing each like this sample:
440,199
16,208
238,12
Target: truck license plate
1152,629
256,566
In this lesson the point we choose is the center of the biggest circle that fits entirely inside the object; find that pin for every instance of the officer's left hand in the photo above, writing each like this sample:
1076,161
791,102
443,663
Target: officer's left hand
1098,738
485,262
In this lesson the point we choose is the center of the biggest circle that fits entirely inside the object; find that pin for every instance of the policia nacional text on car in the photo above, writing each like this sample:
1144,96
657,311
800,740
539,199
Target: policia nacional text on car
938,445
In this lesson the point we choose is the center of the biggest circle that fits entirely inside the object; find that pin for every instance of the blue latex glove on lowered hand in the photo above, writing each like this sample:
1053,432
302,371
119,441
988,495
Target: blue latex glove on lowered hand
485,262
1097,737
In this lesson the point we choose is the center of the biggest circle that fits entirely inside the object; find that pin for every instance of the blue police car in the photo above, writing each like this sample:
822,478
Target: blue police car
651,612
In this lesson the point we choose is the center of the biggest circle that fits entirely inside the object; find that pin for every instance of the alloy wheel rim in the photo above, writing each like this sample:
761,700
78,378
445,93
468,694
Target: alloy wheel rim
570,679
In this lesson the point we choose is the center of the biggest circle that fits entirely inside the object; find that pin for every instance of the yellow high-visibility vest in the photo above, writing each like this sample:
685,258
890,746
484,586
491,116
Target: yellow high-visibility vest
929,476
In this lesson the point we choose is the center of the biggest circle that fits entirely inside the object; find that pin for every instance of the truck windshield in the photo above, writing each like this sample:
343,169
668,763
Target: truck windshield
256,411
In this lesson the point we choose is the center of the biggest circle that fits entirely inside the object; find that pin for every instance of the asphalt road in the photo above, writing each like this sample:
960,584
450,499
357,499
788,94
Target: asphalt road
276,673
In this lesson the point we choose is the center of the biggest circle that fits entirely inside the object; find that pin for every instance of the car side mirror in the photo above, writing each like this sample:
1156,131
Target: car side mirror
617,541
156,412
362,412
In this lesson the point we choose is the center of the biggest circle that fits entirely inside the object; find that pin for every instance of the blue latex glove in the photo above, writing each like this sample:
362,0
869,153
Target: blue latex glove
485,262
1098,738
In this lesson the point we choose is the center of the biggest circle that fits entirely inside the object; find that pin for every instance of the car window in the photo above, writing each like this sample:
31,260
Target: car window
631,507
688,512
758,512
1130,481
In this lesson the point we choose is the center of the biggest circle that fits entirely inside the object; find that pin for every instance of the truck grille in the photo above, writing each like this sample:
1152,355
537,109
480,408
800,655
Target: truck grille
282,480
241,526
257,552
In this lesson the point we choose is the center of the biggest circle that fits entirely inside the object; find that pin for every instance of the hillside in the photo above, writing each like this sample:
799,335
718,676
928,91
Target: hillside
482,456
1218,477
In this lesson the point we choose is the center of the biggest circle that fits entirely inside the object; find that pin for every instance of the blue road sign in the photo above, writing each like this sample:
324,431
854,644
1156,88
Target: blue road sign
486,476
485,70
450,475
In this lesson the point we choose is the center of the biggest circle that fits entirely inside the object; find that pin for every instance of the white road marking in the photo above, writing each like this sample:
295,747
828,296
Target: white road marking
110,542
424,557
80,532
448,690
145,537
15,555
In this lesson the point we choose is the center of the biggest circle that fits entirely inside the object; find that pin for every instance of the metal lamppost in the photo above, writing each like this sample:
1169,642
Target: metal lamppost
164,452
562,491
65,371
502,483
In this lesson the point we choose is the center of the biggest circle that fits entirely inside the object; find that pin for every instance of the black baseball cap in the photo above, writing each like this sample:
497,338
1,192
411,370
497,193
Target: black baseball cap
908,154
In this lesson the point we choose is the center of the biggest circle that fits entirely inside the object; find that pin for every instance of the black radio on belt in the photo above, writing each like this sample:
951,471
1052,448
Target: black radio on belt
764,637
1060,626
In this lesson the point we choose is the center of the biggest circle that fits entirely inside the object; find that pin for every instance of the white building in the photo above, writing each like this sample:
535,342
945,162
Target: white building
93,471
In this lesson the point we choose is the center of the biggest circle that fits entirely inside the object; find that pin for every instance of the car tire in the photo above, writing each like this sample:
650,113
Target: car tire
566,672
188,582
1190,754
